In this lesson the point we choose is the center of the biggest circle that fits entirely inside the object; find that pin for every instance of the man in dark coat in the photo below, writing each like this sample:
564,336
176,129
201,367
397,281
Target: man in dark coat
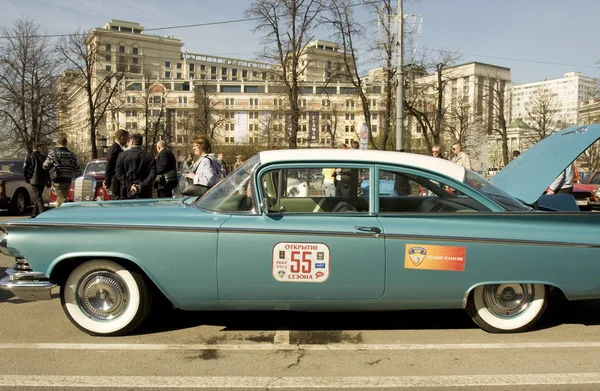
166,171
110,181
37,177
136,170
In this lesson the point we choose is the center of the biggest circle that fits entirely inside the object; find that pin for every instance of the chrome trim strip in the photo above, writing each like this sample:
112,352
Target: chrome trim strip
488,240
111,226
307,233
4,244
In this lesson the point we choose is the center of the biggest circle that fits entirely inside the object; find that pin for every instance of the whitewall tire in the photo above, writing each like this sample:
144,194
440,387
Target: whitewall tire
507,308
102,297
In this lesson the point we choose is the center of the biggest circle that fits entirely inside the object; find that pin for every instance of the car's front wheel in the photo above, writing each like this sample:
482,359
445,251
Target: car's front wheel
507,308
19,202
102,297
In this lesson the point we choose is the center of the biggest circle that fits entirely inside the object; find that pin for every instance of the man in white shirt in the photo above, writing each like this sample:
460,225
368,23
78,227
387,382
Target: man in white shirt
460,157
564,183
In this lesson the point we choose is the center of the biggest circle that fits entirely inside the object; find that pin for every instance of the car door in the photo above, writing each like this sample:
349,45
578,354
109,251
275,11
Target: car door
308,246
428,230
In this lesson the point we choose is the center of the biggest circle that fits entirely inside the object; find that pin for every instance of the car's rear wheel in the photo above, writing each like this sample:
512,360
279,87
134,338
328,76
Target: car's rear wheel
102,297
507,308
19,202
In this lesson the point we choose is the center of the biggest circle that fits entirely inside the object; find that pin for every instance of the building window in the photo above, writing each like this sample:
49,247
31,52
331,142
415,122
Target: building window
134,50
108,47
374,116
374,128
347,128
167,64
121,49
179,75
223,71
244,73
167,75
178,65
213,69
135,60
108,68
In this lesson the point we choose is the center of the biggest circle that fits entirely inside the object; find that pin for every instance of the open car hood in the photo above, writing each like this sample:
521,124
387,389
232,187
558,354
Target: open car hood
527,177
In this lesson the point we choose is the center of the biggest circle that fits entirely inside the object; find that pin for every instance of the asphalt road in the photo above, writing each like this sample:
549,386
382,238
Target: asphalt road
422,350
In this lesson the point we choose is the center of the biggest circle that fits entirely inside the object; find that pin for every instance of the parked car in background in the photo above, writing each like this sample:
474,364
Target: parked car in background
90,185
585,196
15,193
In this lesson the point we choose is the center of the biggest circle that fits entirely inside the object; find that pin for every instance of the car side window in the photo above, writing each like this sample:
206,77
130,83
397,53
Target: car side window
405,193
595,179
308,190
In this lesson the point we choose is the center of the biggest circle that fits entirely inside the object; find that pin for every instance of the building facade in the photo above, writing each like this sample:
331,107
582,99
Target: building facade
563,98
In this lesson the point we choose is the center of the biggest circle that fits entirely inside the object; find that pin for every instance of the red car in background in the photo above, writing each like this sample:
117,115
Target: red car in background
89,186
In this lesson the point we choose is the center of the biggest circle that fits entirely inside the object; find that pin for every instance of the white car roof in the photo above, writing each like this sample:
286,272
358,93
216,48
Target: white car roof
423,162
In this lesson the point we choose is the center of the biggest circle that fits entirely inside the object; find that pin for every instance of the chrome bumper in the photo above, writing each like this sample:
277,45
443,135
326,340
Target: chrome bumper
27,285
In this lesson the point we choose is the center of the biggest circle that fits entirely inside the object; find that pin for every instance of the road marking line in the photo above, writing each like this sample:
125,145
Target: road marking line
282,337
298,382
275,346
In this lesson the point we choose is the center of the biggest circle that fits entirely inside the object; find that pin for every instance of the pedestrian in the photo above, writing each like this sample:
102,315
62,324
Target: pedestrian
187,163
563,184
239,160
328,181
166,171
354,144
460,157
206,170
224,170
37,177
516,154
111,183
436,151
136,170
62,166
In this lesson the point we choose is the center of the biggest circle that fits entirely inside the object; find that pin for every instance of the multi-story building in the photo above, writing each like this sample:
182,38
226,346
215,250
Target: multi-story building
161,88
563,97
469,106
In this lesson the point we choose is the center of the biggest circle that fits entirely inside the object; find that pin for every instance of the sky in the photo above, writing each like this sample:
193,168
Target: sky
536,39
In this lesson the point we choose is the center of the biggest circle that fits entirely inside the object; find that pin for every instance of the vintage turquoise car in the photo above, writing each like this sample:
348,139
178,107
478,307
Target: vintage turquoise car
249,244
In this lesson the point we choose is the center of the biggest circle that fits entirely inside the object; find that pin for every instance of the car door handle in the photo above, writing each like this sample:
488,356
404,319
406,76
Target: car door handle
374,230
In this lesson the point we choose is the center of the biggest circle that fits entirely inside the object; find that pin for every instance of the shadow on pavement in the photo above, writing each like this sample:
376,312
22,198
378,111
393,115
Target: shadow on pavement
559,312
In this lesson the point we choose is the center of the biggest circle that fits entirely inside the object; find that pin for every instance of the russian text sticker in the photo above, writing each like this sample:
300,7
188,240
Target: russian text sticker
301,262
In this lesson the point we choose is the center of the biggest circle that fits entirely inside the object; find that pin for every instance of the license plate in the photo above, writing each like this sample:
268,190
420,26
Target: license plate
581,202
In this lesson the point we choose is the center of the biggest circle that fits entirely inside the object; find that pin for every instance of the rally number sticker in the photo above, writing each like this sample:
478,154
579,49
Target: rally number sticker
301,262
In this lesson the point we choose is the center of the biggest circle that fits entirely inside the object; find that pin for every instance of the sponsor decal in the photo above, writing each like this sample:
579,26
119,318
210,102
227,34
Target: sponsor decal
295,262
427,257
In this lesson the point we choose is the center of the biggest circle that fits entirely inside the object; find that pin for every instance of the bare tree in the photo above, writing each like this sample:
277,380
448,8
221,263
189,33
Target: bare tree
287,25
332,123
207,118
29,99
350,34
542,116
497,98
591,157
83,55
154,98
425,100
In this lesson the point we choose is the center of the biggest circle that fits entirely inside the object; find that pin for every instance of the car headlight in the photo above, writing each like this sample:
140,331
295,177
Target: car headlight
597,192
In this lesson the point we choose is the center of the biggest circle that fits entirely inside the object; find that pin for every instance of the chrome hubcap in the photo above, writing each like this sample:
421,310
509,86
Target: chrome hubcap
507,300
21,202
102,295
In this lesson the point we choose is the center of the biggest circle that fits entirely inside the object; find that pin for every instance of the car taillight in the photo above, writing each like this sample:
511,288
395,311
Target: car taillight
1,189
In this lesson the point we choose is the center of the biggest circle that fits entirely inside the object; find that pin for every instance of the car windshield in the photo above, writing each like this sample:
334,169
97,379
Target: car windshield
501,197
95,168
13,167
232,194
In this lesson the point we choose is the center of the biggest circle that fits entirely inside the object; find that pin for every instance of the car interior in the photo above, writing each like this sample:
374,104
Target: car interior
399,193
